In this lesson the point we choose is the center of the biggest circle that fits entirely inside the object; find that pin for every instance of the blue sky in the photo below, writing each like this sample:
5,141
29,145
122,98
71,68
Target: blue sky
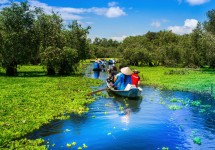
118,19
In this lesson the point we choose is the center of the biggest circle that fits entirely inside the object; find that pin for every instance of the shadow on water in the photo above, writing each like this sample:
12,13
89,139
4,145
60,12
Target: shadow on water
149,123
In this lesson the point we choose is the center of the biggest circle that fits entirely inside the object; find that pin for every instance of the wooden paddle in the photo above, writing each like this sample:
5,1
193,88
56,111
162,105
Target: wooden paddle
94,92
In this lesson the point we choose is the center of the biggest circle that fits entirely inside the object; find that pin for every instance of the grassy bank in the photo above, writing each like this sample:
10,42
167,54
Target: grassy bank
32,99
195,80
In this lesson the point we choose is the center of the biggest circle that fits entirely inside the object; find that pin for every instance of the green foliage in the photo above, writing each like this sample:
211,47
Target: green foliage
104,48
63,61
16,34
27,34
28,103
76,38
210,23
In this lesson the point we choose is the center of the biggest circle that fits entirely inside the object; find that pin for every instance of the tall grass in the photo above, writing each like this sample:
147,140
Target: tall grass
195,80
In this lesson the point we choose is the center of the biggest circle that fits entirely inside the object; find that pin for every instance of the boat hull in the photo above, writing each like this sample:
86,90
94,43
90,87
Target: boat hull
132,93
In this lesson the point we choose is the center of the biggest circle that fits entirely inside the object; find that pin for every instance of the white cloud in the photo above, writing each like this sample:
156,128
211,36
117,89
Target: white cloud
156,24
188,27
197,2
68,13
111,4
119,38
114,12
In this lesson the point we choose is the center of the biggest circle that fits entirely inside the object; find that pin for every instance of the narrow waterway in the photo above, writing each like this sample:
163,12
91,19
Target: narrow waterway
150,123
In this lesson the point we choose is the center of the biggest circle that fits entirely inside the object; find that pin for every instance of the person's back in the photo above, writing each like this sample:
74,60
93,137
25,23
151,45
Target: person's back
96,65
135,78
123,78
128,80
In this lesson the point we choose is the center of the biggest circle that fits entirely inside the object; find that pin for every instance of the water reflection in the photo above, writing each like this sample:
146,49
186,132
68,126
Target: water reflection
96,74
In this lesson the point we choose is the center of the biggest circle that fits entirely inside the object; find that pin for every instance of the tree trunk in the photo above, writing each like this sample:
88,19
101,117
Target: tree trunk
50,71
11,71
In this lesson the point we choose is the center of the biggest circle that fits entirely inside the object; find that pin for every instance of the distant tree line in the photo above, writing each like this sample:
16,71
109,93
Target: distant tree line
196,49
166,48
29,36
104,48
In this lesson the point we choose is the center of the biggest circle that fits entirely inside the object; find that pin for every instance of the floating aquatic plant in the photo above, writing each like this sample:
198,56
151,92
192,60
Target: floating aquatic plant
85,146
69,145
202,110
73,143
121,108
175,100
27,104
161,102
196,103
197,140
174,107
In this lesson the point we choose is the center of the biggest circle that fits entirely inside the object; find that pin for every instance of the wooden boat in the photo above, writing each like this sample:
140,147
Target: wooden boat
130,93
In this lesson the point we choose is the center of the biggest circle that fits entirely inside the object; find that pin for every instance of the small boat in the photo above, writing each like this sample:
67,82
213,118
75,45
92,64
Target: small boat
132,92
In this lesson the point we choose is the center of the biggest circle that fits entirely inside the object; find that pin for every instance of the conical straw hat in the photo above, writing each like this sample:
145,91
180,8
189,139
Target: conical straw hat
126,71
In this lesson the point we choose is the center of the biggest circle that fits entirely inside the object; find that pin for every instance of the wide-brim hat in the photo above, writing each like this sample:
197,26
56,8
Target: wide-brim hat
136,71
126,71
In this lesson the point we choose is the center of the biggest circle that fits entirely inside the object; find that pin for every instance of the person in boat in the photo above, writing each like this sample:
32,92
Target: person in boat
118,74
135,78
123,79
111,74
102,64
96,65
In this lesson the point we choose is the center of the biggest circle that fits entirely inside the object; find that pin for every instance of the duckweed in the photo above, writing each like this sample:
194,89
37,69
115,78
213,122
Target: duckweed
27,103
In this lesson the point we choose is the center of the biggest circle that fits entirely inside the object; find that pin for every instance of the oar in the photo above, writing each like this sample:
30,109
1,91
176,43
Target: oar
94,92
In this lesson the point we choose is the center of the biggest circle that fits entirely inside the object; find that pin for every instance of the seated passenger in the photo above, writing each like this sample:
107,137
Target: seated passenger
111,74
123,79
135,78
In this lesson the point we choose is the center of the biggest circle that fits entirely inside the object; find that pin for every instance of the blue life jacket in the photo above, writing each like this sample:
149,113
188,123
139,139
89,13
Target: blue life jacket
96,65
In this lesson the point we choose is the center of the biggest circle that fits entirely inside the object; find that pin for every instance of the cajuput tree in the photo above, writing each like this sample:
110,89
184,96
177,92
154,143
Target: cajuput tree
16,31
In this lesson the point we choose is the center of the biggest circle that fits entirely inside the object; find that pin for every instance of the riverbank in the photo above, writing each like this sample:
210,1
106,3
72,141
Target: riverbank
33,99
194,80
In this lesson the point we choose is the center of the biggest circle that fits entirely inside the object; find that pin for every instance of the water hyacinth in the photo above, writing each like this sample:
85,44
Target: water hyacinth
27,104
174,107
197,140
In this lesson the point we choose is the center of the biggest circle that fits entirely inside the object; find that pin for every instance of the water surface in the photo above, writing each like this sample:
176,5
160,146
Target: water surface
116,123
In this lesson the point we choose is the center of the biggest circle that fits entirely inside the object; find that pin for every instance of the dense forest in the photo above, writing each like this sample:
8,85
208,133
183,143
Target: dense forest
30,36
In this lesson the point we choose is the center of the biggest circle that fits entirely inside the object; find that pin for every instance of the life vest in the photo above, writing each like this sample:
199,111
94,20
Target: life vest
135,78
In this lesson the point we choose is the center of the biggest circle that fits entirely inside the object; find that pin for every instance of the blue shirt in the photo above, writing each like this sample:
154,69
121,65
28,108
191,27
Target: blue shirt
96,65
122,81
